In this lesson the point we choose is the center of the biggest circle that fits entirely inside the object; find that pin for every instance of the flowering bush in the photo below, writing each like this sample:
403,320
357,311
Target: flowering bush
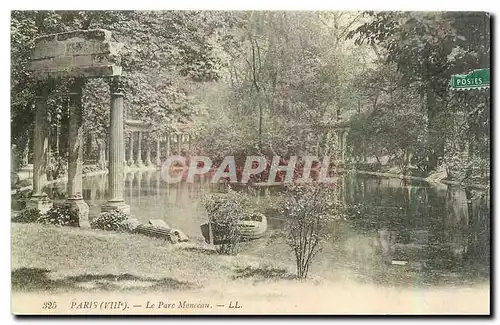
308,211
224,212
28,216
90,168
114,220
57,167
61,215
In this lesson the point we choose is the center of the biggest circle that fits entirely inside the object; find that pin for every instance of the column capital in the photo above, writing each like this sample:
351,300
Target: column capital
116,86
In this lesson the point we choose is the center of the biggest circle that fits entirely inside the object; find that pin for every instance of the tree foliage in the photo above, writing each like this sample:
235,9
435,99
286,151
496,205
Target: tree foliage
280,83
308,212
165,54
290,76
426,49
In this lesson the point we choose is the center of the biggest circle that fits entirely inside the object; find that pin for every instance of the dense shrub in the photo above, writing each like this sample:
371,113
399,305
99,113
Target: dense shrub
309,212
57,167
61,215
224,212
114,220
90,168
14,180
18,184
21,195
28,216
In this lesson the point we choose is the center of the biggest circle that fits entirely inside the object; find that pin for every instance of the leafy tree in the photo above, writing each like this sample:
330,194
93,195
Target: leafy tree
427,48
225,212
290,78
165,53
308,212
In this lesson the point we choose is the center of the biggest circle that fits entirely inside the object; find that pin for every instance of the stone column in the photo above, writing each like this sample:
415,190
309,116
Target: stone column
56,135
93,190
88,148
340,150
106,152
26,153
131,149
75,156
139,151
158,159
124,145
102,185
148,179
49,150
158,186
168,145
342,146
179,139
39,200
131,185
138,176
102,154
189,144
149,163
116,174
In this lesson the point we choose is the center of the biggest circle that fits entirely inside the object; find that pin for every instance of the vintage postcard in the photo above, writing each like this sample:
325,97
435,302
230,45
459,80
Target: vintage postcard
250,162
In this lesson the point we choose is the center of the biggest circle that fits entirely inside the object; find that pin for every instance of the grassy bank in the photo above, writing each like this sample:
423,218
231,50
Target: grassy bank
59,258
64,260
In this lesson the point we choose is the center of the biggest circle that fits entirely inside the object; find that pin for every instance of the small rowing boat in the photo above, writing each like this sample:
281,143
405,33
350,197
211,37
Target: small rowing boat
250,228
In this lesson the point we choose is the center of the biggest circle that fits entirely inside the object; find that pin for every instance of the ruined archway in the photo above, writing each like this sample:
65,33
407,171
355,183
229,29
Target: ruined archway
76,56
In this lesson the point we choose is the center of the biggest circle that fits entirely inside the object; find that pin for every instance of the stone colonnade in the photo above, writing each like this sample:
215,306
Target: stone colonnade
74,57
337,153
341,138
96,151
116,153
164,146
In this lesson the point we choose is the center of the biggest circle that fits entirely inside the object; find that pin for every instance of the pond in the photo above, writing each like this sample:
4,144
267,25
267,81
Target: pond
439,234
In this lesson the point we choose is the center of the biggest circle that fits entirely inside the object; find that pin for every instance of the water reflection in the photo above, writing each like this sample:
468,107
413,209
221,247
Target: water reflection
434,230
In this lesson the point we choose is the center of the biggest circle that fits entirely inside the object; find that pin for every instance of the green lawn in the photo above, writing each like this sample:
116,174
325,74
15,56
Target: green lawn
64,260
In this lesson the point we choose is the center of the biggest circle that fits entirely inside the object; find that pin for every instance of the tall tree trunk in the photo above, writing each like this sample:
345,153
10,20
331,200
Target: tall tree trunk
436,140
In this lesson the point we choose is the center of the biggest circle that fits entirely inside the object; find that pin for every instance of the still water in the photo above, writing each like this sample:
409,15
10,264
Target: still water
434,234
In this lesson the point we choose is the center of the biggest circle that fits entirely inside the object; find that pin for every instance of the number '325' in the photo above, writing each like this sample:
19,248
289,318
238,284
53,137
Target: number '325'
49,305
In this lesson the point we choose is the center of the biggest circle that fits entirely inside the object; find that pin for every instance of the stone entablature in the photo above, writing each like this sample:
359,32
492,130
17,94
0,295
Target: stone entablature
137,125
77,54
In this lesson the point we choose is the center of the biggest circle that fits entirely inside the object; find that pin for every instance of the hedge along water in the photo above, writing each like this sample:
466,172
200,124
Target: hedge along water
306,169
